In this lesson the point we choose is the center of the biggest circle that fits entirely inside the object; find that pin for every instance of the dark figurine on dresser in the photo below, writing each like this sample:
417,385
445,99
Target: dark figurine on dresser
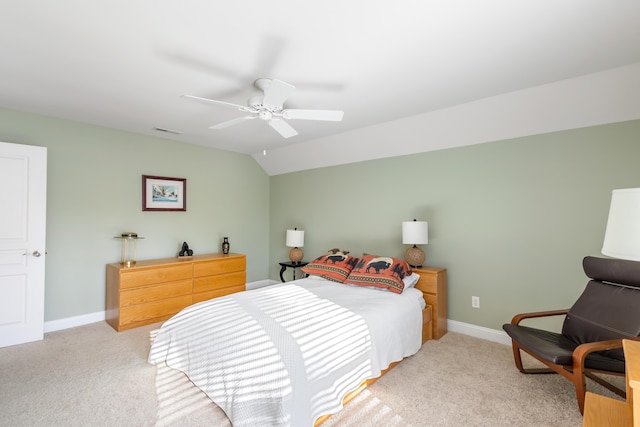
185,250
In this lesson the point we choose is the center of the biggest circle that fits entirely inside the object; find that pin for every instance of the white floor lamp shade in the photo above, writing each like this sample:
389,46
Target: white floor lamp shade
622,237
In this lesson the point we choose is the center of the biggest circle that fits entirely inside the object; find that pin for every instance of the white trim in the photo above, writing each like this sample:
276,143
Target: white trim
609,96
101,316
479,332
453,325
72,322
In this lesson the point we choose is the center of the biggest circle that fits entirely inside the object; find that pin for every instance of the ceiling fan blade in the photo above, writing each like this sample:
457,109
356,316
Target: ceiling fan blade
282,127
326,115
232,122
277,92
213,101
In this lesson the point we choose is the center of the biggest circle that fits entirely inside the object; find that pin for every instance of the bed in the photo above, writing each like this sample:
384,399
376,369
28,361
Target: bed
290,354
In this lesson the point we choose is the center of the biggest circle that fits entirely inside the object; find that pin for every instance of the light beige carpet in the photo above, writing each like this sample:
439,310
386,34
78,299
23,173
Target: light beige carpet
93,376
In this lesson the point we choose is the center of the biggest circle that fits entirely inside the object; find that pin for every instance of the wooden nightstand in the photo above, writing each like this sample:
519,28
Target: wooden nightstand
433,284
289,264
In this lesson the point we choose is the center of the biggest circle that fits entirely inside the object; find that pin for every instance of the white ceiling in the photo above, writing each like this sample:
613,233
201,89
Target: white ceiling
125,63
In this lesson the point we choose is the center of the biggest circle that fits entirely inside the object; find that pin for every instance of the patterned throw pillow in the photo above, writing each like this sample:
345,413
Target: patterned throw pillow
334,266
380,272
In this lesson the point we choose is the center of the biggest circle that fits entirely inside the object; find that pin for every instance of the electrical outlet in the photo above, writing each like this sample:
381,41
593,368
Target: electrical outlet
475,302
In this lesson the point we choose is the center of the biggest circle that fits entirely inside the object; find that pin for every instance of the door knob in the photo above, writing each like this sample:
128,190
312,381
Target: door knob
36,254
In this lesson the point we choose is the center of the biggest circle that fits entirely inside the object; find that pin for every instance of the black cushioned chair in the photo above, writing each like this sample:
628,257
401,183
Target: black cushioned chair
591,339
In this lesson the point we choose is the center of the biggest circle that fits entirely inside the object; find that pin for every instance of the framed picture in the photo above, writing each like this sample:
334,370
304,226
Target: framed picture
161,193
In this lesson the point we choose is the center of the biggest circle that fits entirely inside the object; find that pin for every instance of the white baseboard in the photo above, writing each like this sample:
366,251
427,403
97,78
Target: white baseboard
481,332
72,322
100,316
453,325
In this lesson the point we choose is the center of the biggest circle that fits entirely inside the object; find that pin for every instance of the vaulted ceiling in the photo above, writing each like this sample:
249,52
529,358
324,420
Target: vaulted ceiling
126,64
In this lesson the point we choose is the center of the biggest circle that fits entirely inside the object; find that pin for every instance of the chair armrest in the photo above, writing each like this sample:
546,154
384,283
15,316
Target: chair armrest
583,350
520,317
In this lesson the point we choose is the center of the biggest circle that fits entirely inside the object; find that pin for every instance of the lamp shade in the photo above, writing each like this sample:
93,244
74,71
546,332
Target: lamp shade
622,237
295,238
415,232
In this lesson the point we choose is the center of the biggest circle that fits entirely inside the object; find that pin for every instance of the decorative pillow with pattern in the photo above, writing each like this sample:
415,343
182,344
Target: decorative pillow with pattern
334,266
380,272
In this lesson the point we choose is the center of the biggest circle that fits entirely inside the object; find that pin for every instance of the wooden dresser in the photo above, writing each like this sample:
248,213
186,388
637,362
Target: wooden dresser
433,284
154,290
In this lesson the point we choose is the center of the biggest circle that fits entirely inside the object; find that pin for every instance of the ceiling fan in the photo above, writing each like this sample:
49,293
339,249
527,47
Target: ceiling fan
269,107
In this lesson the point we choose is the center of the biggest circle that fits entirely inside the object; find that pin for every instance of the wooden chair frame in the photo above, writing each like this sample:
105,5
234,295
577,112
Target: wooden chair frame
577,373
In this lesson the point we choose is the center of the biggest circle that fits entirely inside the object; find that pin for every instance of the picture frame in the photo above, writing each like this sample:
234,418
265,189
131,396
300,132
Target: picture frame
162,193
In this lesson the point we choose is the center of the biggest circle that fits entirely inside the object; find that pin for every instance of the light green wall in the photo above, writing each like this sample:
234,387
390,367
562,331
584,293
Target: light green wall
510,220
94,193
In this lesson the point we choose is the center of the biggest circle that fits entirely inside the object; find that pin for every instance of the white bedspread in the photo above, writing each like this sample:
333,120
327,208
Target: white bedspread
286,354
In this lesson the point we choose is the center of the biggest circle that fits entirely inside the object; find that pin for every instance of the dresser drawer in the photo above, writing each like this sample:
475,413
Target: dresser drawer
220,281
219,266
427,328
154,290
148,294
428,282
154,310
204,296
151,276
433,284
431,300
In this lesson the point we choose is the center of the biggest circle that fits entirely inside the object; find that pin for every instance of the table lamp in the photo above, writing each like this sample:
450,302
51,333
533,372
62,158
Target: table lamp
415,233
295,240
129,240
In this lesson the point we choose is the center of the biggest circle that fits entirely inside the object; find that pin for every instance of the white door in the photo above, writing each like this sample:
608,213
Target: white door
23,204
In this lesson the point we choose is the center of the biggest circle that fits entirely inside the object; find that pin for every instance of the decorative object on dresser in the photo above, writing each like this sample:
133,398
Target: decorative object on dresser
129,243
225,245
415,233
295,240
154,290
185,252
161,193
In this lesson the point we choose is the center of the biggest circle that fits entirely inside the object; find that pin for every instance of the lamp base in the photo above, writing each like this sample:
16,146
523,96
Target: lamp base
296,254
415,256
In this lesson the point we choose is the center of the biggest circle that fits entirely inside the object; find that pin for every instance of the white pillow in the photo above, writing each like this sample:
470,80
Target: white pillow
410,281
316,277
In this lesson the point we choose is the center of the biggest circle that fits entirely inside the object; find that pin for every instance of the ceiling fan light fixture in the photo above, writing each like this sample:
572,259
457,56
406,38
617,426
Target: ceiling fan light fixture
265,114
269,106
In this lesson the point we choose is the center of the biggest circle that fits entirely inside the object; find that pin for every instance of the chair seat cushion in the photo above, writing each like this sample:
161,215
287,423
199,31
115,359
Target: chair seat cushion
557,348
